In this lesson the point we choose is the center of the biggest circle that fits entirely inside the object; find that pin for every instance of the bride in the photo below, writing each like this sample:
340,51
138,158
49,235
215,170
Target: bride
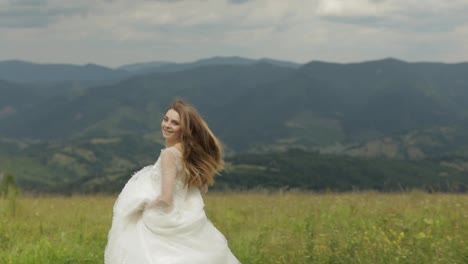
159,216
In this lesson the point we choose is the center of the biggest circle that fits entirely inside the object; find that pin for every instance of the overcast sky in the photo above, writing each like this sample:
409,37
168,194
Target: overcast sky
117,32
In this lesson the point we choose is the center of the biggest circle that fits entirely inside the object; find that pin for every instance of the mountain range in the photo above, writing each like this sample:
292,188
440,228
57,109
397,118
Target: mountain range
384,109
28,72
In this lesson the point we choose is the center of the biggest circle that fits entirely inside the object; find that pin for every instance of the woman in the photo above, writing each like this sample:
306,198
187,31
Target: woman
159,216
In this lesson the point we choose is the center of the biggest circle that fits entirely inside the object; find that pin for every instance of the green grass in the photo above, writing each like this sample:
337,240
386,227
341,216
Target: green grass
260,227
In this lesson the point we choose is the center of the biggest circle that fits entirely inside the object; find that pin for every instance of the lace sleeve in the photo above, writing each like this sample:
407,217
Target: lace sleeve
168,176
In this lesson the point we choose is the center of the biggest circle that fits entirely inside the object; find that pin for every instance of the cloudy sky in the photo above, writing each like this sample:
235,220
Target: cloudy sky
116,32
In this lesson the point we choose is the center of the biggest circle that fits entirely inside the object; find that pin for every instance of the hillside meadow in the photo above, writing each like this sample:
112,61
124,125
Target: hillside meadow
365,227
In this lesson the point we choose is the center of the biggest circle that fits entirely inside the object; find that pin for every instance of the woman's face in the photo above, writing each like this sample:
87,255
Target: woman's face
170,126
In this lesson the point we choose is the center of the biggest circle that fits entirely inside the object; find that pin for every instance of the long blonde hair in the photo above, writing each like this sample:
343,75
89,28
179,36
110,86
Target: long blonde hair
202,151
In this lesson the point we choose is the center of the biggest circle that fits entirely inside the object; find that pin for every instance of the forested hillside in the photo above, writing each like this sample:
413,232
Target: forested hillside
384,124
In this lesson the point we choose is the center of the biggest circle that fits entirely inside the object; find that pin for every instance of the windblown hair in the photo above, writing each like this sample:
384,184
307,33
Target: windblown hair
202,151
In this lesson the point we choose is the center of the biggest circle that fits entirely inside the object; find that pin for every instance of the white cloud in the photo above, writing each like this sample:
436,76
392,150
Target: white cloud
348,8
121,31
410,15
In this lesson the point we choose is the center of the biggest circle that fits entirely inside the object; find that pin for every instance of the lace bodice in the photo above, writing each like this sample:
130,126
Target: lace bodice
171,178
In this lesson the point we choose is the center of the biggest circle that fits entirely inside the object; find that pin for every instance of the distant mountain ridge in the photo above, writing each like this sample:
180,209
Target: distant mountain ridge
159,66
21,71
24,72
89,135
311,106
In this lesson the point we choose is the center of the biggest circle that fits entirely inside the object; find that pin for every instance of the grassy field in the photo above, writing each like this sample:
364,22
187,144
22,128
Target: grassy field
260,227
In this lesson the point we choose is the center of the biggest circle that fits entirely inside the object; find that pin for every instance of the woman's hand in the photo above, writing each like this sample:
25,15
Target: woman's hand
158,204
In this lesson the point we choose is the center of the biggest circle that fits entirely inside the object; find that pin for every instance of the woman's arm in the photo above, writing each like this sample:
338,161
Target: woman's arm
168,175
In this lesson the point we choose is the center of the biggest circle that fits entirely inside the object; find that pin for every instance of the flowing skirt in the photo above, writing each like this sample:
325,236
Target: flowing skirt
182,236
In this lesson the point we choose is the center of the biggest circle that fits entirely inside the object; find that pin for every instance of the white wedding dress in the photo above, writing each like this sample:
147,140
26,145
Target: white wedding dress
178,234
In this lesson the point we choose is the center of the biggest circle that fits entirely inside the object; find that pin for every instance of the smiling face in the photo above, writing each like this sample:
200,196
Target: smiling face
170,127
